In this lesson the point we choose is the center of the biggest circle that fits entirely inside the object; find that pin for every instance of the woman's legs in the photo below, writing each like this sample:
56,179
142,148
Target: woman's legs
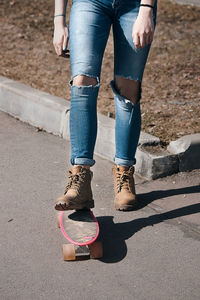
88,33
129,65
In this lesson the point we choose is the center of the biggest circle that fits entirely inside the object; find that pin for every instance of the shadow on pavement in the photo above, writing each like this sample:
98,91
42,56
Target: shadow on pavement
114,235
147,198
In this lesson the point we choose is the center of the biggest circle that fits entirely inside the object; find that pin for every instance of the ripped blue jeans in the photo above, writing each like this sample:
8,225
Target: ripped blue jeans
89,27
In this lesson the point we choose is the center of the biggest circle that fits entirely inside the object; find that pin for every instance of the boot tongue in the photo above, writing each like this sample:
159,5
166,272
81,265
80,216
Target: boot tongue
76,169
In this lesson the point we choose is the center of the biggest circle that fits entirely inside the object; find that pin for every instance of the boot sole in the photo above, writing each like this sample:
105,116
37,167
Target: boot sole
126,207
89,204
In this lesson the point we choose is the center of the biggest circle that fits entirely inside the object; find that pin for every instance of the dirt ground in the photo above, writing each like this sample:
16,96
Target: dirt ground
171,95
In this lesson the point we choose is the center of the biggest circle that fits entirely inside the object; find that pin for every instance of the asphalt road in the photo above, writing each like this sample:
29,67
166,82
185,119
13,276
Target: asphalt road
152,253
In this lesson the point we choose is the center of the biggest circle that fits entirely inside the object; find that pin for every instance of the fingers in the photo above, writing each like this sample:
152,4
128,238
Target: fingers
65,42
60,41
141,40
58,45
66,39
142,33
145,40
136,40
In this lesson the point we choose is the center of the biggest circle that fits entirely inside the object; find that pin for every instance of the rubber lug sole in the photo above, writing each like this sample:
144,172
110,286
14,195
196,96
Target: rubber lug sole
126,207
88,205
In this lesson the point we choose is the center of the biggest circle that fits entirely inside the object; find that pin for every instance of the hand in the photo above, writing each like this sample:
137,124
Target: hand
143,28
60,38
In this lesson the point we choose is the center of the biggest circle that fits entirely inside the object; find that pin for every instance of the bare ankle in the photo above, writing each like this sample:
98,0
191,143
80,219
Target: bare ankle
85,166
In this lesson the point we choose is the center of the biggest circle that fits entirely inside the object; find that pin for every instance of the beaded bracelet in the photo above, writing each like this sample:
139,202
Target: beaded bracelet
148,5
59,16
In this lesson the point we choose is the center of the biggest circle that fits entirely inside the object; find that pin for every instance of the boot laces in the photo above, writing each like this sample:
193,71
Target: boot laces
74,181
123,180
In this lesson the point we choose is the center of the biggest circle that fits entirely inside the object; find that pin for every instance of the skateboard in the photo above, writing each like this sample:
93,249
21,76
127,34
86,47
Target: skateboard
81,229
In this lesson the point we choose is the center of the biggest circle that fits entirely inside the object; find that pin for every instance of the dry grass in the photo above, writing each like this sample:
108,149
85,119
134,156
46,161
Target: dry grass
170,102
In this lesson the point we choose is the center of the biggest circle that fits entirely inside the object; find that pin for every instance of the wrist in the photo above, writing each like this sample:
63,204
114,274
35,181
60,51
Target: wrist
59,20
147,2
147,11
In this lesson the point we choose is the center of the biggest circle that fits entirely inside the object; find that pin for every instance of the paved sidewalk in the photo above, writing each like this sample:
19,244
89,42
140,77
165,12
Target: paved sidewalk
152,253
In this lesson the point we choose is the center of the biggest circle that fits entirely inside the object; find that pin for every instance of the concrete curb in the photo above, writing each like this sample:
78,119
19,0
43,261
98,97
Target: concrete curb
51,113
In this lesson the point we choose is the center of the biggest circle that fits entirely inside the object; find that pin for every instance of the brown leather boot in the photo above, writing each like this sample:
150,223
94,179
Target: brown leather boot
124,187
78,192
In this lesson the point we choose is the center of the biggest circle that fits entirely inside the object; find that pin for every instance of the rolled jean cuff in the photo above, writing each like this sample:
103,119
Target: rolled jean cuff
82,161
124,162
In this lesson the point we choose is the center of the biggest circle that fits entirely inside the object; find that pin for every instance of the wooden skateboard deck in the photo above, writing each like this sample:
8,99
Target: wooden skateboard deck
81,230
